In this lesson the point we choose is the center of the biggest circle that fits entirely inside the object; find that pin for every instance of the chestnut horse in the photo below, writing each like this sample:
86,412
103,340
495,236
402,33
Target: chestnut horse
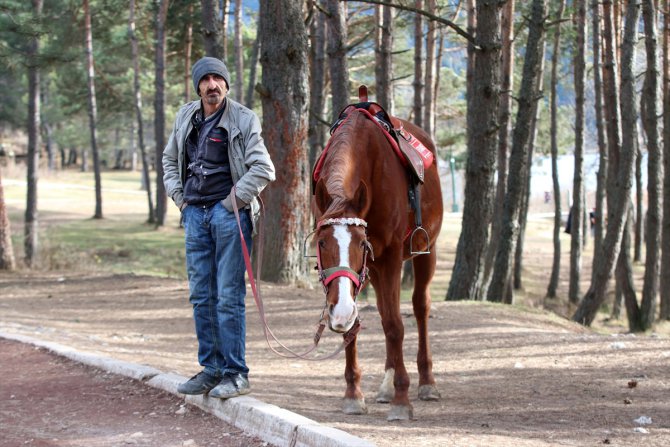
364,222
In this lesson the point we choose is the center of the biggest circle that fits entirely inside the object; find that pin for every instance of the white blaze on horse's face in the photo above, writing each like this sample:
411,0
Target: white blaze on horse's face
344,313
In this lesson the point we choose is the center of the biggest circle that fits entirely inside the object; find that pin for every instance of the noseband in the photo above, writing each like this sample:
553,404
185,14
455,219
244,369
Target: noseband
326,276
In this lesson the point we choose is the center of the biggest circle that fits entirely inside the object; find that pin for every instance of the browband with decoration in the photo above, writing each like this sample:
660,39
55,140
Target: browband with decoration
343,221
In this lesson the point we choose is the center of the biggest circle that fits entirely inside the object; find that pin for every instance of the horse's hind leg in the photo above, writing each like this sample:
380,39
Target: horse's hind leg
424,268
354,402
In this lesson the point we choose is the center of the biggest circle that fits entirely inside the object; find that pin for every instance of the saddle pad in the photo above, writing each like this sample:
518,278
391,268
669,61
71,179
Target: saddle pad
409,149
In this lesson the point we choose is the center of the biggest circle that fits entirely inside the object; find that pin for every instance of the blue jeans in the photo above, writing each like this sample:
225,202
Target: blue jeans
215,266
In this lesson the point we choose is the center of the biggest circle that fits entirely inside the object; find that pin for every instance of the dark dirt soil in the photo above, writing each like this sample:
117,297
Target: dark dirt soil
509,376
51,401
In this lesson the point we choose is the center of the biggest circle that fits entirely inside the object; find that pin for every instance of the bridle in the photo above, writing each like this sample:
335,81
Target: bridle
328,275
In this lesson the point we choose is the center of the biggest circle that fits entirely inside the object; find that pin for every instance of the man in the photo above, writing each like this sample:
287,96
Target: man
216,143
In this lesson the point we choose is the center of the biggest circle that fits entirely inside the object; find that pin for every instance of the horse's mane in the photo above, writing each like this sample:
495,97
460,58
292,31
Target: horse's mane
341,159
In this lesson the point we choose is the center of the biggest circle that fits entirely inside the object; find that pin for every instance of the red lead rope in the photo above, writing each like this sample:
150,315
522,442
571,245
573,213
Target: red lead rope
348,337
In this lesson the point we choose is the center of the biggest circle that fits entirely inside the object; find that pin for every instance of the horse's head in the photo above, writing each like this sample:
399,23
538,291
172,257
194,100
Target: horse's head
342,249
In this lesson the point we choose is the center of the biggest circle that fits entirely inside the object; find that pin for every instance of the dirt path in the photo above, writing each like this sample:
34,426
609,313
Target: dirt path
48,400
508,376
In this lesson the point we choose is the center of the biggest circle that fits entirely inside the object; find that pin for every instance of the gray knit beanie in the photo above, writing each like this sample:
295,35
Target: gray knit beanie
209,65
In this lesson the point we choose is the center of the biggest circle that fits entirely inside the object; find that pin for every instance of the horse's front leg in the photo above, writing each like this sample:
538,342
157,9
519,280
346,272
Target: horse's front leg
354,401
395,386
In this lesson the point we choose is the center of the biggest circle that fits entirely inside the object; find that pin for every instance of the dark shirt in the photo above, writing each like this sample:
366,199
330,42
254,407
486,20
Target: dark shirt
208,178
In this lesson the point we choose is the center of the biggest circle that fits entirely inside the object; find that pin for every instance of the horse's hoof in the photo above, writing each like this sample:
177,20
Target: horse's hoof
400,413
354,406
384,396
386,389
429,392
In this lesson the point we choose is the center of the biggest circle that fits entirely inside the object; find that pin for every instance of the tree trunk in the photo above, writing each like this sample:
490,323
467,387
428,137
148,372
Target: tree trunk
417,83
253,63
518,163
337,55
556,264
93,112
239,52
285,96
600,128
654,214
7,260
383,51
429,97
639,198
317,131
577,235
525,196
151,218
482,128
159,111
624,273
212,35
48,129
621,184
507,77
665,231
188,47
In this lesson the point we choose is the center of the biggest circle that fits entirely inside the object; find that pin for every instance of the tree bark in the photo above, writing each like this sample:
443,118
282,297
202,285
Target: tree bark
525,196
285,102
621,184
639,198
383,51
556,263
188,48
151,218
253,63
625,283
518,163
507,77
429,97
600,128
317,131
31,226
653,218
417,83
93,112
577,210
212,34
665,231
159,110
337,55
482,128
239,52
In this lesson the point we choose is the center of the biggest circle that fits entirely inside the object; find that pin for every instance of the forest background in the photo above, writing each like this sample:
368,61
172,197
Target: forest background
94,85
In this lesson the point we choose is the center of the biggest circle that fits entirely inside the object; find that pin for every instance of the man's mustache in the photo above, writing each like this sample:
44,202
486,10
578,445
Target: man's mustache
213,90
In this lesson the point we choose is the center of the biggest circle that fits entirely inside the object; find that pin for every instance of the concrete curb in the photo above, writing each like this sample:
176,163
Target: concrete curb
271,423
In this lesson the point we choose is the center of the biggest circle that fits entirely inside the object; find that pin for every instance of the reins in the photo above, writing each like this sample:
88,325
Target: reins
348,337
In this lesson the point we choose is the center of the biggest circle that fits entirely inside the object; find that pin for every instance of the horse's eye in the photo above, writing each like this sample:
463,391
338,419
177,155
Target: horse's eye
322,243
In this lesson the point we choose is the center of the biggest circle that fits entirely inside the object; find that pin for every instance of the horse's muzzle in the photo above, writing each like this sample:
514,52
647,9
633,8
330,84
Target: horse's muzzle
342,325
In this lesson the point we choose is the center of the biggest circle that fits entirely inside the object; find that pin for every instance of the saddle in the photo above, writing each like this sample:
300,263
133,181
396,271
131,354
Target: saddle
410,150
413,154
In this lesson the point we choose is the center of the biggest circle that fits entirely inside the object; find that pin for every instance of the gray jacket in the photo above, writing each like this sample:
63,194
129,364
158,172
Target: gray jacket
250,164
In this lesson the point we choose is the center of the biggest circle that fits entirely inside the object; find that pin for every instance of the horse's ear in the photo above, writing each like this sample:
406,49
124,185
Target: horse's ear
362,200
321,196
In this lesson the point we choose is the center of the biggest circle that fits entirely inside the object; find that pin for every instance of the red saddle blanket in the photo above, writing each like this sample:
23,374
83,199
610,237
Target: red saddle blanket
413,154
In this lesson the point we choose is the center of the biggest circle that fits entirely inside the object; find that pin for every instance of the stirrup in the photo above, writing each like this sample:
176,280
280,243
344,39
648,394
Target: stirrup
411,242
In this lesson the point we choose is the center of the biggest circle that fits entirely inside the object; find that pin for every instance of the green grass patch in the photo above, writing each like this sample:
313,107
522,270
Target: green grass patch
116,246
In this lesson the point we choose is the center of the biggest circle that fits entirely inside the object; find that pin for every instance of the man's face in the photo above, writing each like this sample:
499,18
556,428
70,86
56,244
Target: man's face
213,89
